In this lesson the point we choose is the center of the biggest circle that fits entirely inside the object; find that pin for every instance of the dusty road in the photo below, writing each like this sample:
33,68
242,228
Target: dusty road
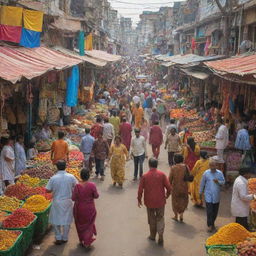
122,227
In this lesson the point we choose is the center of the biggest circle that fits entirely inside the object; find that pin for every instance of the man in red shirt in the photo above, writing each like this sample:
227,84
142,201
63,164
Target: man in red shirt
156,138
97,128
156,189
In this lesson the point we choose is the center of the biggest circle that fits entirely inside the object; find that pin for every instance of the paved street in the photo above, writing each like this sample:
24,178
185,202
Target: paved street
122,227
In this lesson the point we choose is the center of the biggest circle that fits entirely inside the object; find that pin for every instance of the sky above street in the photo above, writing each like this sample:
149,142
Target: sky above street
133,8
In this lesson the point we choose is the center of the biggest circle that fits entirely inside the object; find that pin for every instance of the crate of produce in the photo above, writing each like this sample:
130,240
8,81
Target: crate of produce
28,234
9,204
42,221
221,250
14,250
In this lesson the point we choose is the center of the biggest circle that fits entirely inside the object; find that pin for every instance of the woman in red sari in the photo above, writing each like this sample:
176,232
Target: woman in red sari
84,209
125,132
191,153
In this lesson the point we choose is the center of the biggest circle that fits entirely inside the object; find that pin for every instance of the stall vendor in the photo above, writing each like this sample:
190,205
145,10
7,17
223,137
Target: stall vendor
46,132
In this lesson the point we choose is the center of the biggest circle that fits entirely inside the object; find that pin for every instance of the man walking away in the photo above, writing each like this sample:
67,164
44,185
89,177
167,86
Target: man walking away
156,139
97,128
61,213
138,152
86,148
126,133
155,187
100,152
172,144
211,183
59,150
108,131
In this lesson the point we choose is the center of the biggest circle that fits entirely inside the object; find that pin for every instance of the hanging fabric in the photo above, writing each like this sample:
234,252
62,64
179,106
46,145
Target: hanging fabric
33,20
81,43
89,42
11,16
10,33
29,38
72,88
10,23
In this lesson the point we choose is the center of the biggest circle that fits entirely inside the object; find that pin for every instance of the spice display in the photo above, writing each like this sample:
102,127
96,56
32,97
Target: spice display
221,252
232,233
3,216
21,191
75,172
18,219
41,172
247,248
203,136
36,203
29,181
7,239
9,203
252,186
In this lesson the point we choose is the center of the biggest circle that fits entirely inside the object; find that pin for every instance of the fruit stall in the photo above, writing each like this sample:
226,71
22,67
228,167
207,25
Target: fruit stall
204,134
25,205
231,240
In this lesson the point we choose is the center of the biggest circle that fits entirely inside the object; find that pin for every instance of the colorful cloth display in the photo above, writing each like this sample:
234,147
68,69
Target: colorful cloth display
88,42
33,20
72,88
11,16
10,23
81,43
10,33
29,38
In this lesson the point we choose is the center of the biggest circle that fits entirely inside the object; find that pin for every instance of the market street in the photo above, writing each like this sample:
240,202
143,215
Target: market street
122,227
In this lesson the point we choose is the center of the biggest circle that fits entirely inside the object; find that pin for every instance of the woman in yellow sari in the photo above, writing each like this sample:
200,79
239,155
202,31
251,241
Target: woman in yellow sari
118,155
200,167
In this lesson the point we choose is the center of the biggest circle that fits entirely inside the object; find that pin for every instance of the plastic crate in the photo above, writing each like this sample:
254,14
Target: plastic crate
229,249
15,249
21,204
28,234
42,221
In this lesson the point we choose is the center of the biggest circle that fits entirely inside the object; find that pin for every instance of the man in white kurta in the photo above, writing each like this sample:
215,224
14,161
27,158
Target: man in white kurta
7,162
61,214
240,203
222,140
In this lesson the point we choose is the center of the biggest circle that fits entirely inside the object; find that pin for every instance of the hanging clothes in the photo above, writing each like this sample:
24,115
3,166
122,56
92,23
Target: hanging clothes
72,87
11,16
89,42
30,38
81,43
33,20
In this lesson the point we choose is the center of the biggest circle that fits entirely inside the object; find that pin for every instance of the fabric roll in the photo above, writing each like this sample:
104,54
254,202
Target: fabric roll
10,33
33,20
29,38
11,16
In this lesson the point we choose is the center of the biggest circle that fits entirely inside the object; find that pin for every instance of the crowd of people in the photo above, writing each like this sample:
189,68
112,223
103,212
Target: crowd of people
137,117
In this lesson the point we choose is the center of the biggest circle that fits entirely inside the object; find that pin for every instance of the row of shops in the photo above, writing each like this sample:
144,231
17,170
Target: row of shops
211,86
43,85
